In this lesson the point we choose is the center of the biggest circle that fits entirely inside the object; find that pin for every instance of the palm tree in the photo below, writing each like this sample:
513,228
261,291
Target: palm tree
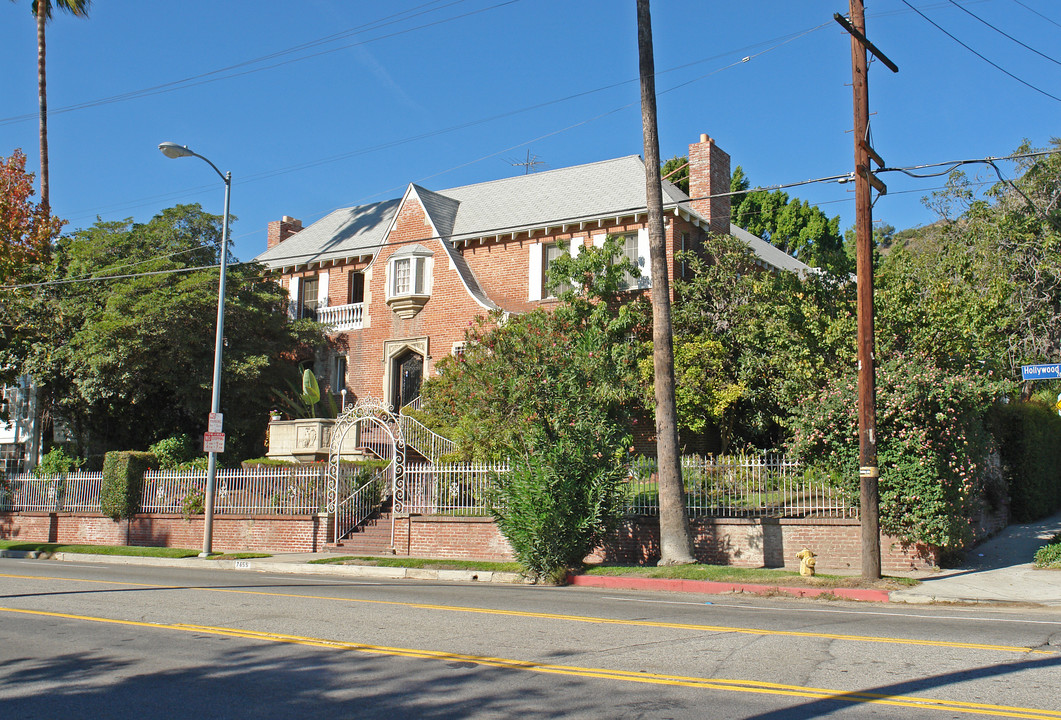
42,10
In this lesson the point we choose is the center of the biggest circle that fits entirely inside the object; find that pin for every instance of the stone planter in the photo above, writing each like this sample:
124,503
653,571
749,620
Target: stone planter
306,440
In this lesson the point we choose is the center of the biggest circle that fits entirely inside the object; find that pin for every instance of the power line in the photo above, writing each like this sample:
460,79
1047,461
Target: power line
1052,22
971,14
503,230
974,52
215,75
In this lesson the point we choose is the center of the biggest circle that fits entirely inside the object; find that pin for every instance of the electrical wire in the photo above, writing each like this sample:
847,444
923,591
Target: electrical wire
971,14
503,230
215,75
974,52
1052,22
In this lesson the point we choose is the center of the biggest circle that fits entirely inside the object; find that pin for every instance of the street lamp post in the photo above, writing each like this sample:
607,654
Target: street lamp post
173,150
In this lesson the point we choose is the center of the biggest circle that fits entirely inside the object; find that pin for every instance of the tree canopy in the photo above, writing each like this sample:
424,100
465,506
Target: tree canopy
123,334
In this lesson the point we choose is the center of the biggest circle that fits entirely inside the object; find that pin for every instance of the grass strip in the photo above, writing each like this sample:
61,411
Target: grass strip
126,550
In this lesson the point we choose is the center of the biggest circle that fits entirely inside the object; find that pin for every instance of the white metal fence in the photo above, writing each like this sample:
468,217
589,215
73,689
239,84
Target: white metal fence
245,491
73,492
732,486
451,488
741,486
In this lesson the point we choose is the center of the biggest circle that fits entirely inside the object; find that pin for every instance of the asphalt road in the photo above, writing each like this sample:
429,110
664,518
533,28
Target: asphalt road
125,641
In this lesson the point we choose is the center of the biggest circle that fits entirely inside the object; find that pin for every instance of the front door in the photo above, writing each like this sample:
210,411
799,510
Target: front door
408,374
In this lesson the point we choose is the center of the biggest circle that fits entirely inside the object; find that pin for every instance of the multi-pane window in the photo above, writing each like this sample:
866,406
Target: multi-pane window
550,253
630,252
407,276
310,297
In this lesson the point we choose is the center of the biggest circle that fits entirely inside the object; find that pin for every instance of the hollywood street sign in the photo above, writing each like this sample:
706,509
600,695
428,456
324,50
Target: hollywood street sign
1041,372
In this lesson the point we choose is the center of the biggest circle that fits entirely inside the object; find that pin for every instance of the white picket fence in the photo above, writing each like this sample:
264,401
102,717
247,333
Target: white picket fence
73,492
291,490
734,486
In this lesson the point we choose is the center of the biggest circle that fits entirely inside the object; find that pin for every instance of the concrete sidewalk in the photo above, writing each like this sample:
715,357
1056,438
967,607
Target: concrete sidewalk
997,571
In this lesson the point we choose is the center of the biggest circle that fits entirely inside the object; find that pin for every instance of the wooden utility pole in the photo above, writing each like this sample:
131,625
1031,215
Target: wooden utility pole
868,472
675,543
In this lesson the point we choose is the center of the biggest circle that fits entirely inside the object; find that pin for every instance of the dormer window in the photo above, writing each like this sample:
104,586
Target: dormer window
409,280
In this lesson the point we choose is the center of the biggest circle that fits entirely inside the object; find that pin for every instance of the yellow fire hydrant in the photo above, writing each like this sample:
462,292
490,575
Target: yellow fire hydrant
806,561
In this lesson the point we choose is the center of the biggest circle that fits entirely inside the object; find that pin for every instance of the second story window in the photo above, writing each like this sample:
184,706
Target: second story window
356,287
310,297
409,280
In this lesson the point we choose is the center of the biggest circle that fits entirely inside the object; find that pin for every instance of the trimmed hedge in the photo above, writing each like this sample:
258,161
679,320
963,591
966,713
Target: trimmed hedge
1029,440
123,482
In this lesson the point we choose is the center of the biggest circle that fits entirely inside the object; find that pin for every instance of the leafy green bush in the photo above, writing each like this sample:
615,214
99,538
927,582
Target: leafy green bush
932,445
174,451
555,506
1049,555
57,462
1029,439
123,480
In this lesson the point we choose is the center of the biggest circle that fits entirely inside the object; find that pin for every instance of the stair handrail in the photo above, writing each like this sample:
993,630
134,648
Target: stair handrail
423,439
362,510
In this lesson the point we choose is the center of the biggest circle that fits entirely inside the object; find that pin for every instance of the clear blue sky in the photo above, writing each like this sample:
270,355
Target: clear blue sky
332,103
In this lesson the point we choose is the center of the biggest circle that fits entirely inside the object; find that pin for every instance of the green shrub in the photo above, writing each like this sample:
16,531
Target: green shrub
57,462
1029,439
123,480
1049,555
932,449
174,451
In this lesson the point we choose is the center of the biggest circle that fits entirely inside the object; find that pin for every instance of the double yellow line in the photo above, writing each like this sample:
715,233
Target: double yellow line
722,684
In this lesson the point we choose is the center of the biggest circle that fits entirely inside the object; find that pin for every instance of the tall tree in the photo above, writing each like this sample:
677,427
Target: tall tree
125,359
42,12
675,536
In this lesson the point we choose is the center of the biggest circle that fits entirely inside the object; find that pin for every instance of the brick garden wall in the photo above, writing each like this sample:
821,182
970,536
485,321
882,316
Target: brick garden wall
231,533
745,542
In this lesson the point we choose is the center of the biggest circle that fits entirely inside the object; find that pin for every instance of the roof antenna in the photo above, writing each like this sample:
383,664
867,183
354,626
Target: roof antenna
528,165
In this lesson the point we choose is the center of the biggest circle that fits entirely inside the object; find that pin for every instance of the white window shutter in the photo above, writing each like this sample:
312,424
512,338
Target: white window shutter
292,299
576,245
534,272
322,290
644,259
598,240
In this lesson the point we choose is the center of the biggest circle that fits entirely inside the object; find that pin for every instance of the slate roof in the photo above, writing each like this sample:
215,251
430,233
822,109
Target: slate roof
604,189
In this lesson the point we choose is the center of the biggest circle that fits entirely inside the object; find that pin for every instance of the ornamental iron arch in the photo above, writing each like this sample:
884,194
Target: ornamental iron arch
378,430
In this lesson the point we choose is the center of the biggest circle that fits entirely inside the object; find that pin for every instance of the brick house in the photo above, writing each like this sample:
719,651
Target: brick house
401,279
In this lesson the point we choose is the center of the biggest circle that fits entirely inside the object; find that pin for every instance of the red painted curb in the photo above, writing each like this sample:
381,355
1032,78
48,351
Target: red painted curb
718,588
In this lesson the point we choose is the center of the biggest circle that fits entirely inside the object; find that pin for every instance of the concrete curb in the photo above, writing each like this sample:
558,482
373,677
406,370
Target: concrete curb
265,565
709,587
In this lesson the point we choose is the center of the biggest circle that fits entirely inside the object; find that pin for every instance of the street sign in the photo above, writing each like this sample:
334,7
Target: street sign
214,422
1041,372
214,442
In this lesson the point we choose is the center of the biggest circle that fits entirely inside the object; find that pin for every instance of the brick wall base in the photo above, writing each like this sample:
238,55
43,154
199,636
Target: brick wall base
745,542
231,533
766,542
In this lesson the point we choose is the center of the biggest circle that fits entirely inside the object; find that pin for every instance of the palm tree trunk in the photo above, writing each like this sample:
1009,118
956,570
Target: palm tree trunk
674,535
42,8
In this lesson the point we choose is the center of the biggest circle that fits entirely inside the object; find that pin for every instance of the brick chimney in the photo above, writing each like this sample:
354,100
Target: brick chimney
280,230
709,174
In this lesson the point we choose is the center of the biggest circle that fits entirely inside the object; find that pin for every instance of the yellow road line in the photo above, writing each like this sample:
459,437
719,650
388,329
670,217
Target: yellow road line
578,618
724,684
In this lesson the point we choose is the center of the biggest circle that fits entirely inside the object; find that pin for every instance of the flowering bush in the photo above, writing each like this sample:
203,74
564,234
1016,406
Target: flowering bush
932,444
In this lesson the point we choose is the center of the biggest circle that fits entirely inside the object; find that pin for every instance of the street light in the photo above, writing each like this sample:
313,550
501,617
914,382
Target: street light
173,150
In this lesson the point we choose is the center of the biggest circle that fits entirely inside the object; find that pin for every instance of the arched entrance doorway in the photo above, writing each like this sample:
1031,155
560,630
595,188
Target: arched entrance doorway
407,373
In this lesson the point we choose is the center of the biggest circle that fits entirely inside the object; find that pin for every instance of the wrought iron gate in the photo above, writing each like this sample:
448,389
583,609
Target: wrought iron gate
378,432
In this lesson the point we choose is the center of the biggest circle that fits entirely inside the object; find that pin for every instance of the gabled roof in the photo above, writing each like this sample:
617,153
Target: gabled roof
565,196
340,235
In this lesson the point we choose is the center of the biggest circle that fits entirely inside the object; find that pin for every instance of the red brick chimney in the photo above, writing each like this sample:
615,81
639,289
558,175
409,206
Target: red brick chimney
709,174
280,230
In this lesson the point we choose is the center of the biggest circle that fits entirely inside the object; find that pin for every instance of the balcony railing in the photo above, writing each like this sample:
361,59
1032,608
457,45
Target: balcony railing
342,317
